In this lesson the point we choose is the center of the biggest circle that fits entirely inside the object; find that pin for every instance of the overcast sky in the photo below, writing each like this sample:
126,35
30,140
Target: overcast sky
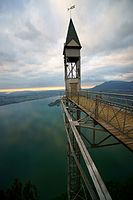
32,34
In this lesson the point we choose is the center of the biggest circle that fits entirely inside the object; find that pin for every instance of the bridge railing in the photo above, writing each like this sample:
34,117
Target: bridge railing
112,108
120,100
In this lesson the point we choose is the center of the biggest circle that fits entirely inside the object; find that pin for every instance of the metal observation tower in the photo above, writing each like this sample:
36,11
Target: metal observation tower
86,114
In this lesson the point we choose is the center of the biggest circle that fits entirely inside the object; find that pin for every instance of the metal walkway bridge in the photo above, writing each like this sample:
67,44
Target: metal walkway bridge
114,112
109,112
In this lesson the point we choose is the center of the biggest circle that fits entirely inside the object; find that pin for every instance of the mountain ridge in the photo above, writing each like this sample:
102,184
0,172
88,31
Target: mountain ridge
114,86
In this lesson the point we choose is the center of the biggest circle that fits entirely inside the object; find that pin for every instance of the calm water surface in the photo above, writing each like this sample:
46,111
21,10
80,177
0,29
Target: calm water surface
33,146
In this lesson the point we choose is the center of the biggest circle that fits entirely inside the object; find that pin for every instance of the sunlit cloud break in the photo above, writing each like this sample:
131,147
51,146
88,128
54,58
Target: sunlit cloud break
38,89
31,89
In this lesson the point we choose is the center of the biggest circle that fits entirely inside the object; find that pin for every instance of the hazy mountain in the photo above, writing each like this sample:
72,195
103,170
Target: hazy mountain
114,86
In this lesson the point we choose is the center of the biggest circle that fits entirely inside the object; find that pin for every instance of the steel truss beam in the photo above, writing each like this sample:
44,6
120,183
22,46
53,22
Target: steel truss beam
86,122
71,127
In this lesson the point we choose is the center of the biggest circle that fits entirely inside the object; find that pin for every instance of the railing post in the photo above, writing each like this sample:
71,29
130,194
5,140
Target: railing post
87,94
96,107
78,97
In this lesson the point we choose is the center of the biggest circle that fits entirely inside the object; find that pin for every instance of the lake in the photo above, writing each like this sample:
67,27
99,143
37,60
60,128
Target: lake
33,147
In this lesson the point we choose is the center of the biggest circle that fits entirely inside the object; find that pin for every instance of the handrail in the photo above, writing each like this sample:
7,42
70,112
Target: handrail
120,100
108,93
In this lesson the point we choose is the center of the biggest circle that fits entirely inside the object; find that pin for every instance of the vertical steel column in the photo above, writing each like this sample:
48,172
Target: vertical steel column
74,183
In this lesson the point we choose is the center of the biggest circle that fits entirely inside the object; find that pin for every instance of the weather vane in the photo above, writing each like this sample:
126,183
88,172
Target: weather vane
69,9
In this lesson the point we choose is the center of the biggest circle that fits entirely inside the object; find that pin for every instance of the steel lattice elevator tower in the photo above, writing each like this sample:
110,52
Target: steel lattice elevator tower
71,54
84,180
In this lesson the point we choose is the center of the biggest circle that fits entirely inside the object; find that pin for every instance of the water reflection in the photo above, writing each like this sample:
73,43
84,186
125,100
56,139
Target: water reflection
33,146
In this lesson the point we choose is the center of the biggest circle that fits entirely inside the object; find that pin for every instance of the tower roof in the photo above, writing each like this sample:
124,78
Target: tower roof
72,37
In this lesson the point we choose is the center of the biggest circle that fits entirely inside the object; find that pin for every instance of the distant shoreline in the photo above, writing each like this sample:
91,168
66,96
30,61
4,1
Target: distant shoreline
6,99
23,101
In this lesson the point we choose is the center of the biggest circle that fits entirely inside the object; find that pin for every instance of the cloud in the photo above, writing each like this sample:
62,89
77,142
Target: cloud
108,25
7,6
114,66
108,73
32,34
